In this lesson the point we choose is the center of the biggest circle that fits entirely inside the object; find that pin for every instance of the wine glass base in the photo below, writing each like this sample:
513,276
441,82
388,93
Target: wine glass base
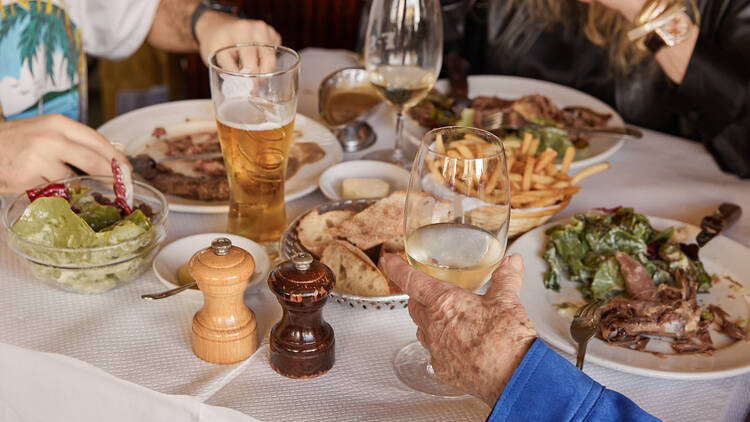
403,157
412,367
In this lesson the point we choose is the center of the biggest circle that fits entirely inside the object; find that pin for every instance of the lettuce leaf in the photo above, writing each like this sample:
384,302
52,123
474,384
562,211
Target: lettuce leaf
49,221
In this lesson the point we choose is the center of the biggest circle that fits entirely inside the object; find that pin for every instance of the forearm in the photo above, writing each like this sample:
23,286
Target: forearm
546,387
170,30
674,60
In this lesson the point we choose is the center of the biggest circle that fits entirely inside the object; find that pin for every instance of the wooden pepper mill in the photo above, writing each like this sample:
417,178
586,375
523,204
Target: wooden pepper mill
224,329
302,343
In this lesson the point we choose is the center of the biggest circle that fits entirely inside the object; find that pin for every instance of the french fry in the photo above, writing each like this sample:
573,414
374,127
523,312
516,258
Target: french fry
435,170
439,146
539,178
533,147
512,144
515,177
464,151
570,152
560,184
473,139
452,153
509,162
526,143
551,169
545,158
526,183
588,171
492,181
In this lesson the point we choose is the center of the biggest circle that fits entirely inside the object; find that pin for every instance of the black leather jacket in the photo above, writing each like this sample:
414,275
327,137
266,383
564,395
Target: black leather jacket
712,105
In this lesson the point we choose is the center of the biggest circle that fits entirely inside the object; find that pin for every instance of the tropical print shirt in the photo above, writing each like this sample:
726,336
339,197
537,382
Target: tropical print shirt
43,46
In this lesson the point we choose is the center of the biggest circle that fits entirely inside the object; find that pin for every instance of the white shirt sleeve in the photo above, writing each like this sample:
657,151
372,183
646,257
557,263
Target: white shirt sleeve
113,29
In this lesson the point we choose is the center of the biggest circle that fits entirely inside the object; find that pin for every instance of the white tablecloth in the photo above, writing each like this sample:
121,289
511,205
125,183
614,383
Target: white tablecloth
148,343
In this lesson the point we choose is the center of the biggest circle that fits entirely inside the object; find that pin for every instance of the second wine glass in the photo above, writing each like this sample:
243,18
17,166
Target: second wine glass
403,55
455,224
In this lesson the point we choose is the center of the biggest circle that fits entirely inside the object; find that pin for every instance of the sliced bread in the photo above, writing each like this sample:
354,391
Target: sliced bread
313,229
377,223
354,271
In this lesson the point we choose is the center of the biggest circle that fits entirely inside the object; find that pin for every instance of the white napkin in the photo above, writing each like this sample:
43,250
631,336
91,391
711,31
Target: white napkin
37,386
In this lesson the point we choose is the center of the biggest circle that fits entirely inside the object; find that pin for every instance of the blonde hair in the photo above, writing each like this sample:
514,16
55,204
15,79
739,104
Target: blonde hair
601,25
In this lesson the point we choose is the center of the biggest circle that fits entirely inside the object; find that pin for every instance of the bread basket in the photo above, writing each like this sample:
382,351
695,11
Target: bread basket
290,245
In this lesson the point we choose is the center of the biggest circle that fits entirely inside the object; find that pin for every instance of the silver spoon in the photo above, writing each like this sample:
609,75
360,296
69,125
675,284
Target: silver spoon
162,295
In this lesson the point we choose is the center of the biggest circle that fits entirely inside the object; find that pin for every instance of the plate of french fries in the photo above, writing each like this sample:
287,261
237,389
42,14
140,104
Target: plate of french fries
539,186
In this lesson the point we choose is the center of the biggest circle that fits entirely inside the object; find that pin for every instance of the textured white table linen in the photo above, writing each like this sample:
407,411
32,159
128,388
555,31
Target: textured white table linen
148,343
38,386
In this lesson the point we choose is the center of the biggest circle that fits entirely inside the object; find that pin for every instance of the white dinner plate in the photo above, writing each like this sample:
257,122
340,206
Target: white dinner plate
331,179
722,257
510,87
172,256
133,130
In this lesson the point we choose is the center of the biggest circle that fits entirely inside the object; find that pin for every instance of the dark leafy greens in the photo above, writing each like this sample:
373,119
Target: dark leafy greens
585,249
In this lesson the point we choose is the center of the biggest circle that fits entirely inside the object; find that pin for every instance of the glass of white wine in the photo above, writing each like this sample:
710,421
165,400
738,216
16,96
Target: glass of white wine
403,54
456,224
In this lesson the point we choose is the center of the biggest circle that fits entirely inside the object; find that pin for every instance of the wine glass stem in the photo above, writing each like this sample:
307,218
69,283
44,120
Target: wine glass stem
399,131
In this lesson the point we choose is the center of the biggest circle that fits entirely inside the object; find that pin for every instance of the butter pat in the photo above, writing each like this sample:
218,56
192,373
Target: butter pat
354,188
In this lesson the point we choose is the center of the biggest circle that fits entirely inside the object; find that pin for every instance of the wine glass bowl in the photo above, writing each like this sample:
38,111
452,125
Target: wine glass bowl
455,224
458,206
403,55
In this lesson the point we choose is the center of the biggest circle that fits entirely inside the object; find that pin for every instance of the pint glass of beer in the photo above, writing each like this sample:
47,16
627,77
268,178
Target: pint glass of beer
254,91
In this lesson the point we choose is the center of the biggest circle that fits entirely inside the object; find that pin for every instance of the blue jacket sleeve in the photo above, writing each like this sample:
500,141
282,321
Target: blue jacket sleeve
546,387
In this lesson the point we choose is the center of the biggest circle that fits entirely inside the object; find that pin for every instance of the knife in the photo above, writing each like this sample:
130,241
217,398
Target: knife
711,226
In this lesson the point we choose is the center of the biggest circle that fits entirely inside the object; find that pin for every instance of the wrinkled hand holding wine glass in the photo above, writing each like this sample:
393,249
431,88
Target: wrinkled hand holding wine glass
475,341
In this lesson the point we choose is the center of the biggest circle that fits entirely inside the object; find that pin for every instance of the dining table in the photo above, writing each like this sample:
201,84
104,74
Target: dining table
112,347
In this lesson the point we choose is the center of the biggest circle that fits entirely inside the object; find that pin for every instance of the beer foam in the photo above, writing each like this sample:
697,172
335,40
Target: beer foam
253,115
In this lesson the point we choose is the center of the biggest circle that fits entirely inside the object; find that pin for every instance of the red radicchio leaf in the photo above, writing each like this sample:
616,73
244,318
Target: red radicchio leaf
609,210
54,190
120,190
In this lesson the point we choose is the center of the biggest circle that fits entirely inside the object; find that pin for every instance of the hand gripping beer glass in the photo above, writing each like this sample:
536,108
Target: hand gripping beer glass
254,91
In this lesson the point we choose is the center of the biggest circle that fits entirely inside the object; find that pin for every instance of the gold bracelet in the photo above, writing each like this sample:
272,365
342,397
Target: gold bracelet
651,10
658,25
657,22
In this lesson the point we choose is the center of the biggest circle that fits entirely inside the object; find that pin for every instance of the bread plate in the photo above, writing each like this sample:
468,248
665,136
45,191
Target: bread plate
290,245
331,179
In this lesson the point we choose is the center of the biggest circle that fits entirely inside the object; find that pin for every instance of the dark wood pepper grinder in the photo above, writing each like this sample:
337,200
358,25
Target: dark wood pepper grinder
302,343
224,330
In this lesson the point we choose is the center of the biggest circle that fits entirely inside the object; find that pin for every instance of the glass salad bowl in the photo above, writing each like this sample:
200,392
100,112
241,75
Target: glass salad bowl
120,254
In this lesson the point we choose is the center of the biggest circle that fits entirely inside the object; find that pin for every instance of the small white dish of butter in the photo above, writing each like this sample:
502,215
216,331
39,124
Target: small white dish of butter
362,179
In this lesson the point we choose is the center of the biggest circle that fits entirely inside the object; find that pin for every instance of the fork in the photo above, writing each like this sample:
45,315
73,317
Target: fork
513,120
585,323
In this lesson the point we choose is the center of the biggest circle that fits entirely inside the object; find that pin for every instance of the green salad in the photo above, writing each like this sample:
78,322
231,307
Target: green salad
585,249
83,240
